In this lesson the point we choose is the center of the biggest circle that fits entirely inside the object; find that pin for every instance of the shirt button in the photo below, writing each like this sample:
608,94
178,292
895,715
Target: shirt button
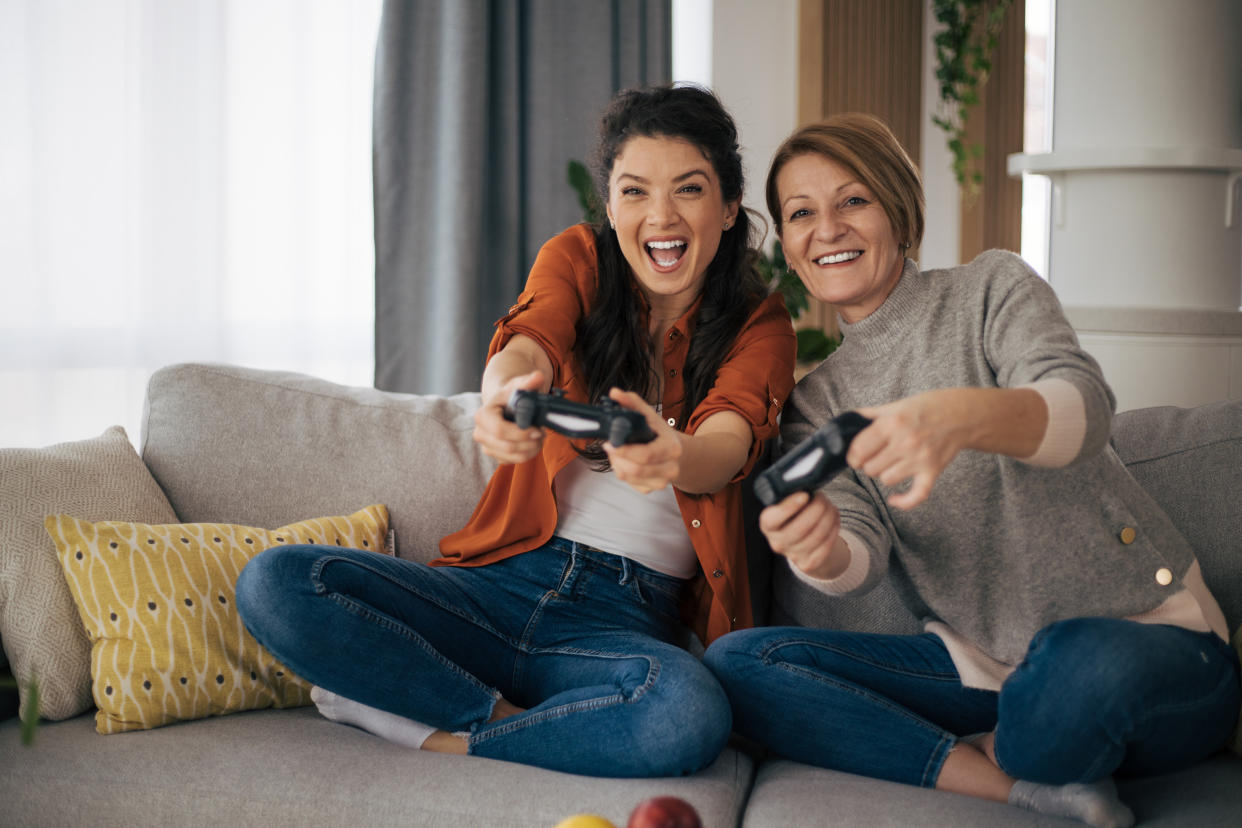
1127,535
1164,576
717,573
696,523
672,421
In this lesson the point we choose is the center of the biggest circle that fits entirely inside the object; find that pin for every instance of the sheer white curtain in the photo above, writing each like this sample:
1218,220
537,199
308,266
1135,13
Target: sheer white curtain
179,180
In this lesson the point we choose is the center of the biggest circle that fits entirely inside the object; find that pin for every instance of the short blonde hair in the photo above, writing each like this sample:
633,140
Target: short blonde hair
865,146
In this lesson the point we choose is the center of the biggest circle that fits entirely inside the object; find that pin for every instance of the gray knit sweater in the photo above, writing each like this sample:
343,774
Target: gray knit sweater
1001,548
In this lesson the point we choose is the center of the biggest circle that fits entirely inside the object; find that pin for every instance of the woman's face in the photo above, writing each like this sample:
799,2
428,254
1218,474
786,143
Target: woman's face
665,202
836,236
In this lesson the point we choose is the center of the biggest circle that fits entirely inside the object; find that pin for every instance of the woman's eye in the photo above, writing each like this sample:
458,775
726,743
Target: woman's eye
692,188
854,201
631,191
797,214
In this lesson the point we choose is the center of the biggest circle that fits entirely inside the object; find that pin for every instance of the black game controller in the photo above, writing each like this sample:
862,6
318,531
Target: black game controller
811,463
604,421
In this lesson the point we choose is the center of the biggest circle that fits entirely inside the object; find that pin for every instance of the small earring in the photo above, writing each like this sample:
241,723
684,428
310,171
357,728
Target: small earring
612,224
726,225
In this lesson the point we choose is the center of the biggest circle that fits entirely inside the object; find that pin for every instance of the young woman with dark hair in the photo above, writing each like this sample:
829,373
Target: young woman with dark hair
550,631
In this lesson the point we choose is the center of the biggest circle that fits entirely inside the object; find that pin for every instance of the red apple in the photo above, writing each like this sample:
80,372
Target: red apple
664,812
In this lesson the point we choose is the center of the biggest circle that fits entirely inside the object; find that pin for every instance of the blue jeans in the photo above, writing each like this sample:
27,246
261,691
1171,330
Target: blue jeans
581,638
1094,696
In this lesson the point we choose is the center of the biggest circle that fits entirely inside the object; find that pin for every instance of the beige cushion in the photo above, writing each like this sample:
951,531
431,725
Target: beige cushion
99,479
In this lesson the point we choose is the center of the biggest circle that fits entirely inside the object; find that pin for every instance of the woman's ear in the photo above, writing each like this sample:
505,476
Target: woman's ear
731,210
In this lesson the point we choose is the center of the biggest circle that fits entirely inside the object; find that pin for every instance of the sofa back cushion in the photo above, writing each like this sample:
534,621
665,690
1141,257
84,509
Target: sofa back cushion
1188,459
269,448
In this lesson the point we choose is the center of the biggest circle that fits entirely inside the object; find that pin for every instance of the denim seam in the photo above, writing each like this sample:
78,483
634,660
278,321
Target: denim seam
935,762
766,656
321,589
1208,699
528,631
522,720
383,621
405,632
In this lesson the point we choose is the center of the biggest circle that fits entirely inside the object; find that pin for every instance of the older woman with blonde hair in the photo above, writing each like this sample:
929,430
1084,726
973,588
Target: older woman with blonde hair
1069,634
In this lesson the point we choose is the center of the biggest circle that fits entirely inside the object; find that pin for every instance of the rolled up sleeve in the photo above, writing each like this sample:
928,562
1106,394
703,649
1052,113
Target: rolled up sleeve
756,377
554,299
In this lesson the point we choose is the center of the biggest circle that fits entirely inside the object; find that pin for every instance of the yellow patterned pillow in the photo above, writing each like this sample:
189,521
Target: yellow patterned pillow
157,602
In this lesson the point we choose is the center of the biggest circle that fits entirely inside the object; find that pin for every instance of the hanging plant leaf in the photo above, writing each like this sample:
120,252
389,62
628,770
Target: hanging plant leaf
580,181
964,47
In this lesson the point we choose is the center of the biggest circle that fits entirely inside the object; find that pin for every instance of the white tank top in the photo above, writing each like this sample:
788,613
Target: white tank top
597,509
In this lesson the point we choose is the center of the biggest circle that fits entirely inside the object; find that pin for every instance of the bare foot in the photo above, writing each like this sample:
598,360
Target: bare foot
444,742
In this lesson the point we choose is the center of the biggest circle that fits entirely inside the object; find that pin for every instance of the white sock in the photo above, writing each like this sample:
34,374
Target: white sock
1096,804
390,726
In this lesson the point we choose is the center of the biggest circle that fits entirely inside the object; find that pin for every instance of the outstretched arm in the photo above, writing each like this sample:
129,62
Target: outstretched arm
696,463
521,364
916,438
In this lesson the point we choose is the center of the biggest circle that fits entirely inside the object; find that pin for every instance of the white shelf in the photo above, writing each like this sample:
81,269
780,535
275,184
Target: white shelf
1055,165
1125,158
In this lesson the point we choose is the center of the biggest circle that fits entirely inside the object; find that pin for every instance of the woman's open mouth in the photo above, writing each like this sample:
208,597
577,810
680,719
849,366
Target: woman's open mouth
665,255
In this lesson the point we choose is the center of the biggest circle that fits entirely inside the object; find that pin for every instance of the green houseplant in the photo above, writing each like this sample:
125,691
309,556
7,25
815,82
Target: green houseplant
964,47
813,344
31,719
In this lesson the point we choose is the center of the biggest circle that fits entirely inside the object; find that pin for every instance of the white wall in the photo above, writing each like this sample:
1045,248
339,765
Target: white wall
748,53
755,71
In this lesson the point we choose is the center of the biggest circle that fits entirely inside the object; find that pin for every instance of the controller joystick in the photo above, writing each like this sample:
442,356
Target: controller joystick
605,421
811,463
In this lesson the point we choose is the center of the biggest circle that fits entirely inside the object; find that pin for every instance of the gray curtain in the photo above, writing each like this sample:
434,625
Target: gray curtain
479,107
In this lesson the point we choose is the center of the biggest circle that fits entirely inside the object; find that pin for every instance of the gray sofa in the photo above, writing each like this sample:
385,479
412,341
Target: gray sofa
227,444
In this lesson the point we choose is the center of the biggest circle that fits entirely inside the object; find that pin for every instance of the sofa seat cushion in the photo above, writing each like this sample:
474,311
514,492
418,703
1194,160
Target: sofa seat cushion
789,793
294,768
266,448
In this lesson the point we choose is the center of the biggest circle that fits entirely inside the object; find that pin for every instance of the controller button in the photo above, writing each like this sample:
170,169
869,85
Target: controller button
1127,535
1164,576
717,573
672,421
696,523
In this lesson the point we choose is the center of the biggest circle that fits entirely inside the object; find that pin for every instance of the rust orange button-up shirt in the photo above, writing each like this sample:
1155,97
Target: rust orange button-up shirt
517,512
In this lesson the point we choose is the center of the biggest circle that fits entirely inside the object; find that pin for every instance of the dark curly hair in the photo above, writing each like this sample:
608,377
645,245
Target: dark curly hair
614,347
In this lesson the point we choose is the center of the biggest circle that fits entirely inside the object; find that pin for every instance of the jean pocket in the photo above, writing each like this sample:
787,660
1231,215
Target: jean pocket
660,594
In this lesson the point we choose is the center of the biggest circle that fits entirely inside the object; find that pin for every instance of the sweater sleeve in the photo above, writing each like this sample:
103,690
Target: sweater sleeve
1067,424
862,525
1029,343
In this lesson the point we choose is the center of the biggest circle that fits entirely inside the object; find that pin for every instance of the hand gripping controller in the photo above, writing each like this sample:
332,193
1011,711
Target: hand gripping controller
811,463
580,420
